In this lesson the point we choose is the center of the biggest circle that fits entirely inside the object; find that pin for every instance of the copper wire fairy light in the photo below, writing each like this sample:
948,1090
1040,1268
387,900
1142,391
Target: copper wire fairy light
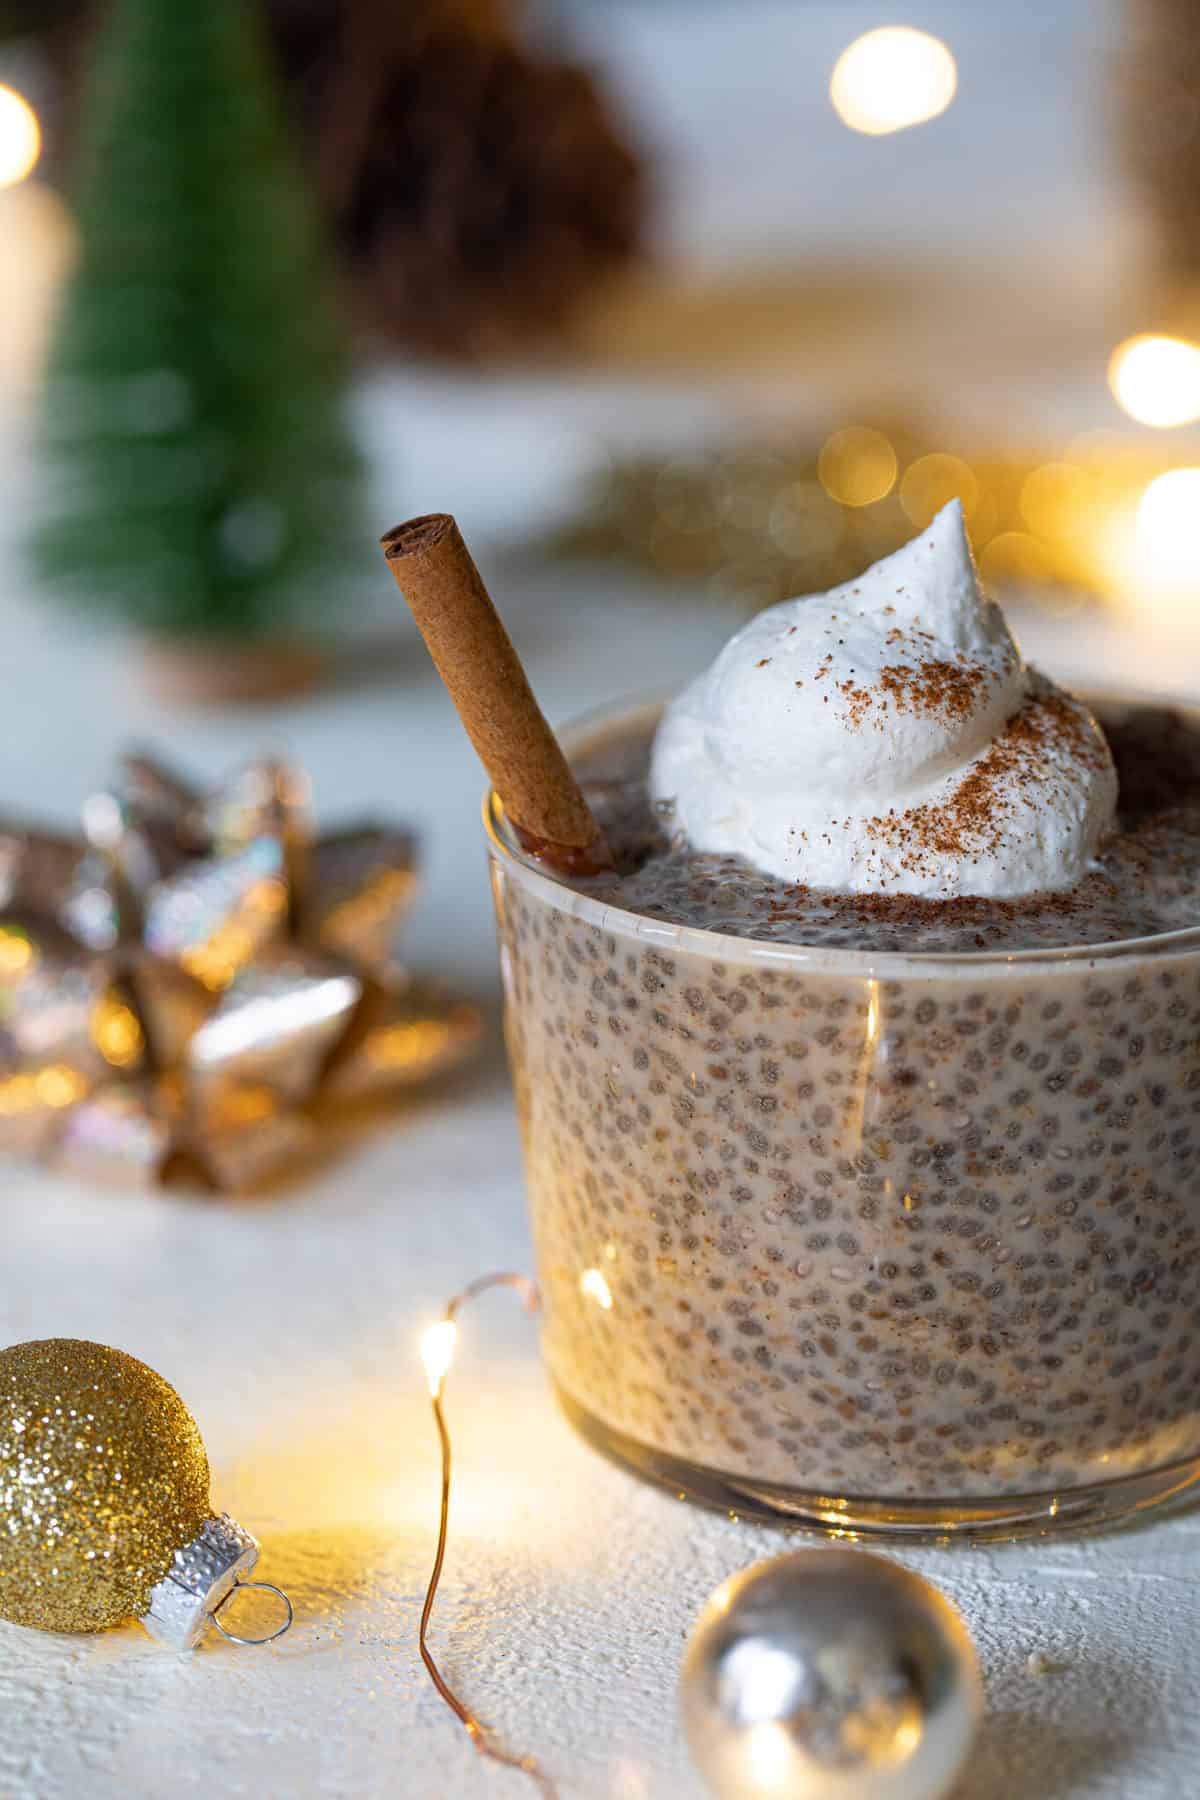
437,1353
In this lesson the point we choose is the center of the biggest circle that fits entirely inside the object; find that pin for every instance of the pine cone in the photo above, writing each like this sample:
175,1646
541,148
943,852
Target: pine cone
474,192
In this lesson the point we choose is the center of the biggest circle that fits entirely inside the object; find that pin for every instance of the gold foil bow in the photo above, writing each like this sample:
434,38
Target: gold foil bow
199,978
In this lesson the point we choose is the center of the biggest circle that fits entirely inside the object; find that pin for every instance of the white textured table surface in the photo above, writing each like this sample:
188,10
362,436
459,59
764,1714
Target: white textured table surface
290,1326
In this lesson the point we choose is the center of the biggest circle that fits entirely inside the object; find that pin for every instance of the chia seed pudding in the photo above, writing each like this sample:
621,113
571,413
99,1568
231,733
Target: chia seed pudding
864,1209
861,1098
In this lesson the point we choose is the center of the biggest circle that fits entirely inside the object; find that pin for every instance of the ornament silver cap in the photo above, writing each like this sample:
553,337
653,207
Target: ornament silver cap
204,1575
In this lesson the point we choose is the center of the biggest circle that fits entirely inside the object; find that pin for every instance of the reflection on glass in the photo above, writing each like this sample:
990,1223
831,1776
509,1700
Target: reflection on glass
593,1285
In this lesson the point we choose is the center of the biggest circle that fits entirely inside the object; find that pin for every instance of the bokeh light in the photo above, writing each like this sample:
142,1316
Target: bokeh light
857,466
1168,525
932,482
1015,559
808,513
803,522
1156,380
20,137
1057,499
116,1032
17,954
892,78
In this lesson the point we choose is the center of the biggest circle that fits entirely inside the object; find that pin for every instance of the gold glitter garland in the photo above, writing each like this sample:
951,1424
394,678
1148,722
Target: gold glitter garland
761,521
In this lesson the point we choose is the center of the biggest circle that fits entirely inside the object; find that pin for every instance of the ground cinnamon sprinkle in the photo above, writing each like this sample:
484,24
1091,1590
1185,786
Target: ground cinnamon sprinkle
858,701
934,686
971,820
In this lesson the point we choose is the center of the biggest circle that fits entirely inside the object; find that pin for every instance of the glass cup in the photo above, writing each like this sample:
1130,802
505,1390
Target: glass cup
871,1242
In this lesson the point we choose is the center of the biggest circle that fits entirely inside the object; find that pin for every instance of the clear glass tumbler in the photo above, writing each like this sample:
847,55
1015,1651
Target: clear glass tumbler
886,1243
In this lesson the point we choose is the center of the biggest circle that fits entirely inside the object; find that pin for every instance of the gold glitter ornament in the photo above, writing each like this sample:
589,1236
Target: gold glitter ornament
104,1501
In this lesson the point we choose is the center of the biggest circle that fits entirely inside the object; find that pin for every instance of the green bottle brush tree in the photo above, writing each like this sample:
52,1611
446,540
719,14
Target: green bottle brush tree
199,479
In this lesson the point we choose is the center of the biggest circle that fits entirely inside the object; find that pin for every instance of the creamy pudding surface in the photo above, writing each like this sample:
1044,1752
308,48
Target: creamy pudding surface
830,1223
1144,880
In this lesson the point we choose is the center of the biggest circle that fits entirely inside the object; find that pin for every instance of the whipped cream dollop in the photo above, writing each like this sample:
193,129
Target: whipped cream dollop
887,737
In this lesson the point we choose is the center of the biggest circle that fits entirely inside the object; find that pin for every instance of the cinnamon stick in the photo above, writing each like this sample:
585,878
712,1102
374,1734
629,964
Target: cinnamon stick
475,658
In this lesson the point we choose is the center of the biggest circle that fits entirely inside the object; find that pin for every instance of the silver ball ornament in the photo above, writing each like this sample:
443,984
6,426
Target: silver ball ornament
829,1674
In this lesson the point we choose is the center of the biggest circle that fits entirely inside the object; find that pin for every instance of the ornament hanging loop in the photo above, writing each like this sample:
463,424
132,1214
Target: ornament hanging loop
265,1587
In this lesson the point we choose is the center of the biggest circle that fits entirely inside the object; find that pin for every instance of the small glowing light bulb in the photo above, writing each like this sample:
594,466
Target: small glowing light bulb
20,137
1156,379
437,1353
892,78
594,1286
